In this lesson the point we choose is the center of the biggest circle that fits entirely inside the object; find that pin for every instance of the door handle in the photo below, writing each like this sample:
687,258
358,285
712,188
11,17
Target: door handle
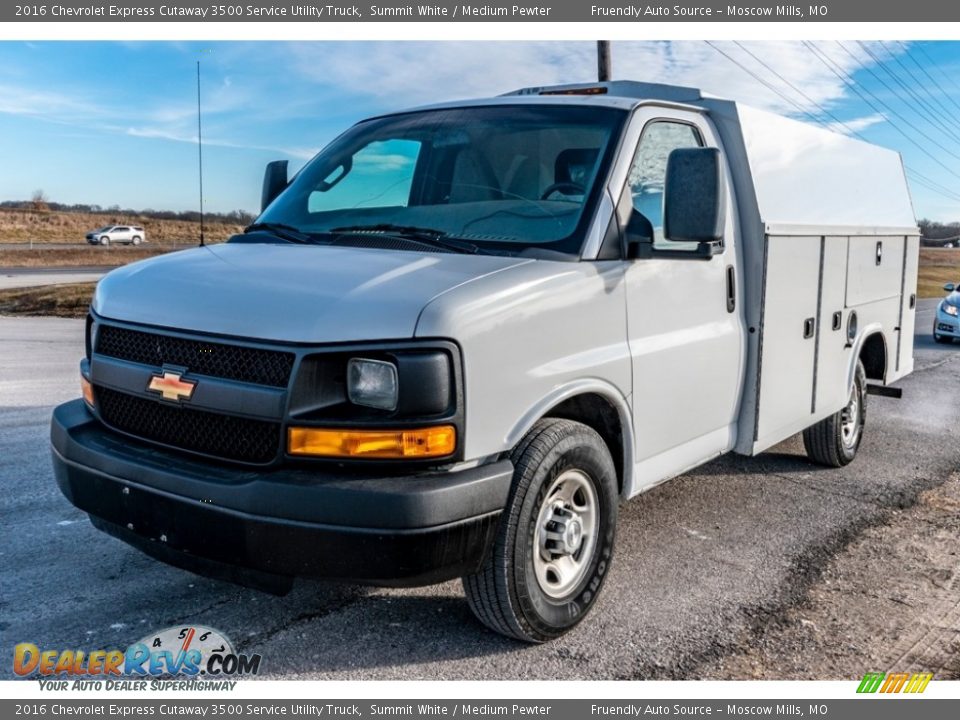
731,289
808,326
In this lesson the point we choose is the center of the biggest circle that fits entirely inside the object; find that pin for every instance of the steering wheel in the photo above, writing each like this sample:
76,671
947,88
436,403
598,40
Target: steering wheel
577,188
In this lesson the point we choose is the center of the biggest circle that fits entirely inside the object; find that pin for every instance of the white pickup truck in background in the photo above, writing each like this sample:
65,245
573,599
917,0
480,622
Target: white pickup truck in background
461,335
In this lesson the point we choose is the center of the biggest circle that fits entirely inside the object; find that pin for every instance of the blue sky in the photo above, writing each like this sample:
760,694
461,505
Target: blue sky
115,123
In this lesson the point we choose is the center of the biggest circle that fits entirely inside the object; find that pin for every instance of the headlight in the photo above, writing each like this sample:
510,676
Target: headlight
950,309
372,383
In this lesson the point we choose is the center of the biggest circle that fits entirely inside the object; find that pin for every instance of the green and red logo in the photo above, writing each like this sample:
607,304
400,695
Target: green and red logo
895,682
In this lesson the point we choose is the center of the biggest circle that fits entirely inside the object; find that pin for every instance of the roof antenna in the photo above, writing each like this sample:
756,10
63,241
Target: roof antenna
200,153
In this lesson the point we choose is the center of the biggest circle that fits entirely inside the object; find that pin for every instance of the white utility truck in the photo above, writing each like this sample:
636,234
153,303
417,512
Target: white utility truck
461,335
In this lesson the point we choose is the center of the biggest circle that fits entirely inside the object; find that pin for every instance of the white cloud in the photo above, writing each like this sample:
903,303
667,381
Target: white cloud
402,74
410,73
855,125
422,72
54,106
161,133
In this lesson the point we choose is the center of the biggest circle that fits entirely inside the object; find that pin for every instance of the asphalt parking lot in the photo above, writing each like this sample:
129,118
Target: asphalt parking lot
701,561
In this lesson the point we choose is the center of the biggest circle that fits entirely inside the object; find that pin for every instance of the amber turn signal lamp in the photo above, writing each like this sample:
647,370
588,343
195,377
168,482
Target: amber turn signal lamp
87,389
413,443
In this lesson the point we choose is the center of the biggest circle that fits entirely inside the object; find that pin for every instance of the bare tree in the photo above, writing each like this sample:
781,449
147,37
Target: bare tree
39,200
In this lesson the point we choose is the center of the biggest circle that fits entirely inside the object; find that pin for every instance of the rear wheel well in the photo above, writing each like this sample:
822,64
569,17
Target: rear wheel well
873,355
596,412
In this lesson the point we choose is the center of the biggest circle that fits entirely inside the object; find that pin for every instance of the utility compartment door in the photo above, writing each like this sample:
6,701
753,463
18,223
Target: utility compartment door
874,269
787,341
833,351
908,306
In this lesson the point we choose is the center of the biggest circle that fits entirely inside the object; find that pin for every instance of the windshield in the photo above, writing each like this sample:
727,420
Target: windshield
504,178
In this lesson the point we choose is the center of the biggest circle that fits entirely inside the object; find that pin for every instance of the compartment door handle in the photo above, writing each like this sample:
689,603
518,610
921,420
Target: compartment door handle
731,289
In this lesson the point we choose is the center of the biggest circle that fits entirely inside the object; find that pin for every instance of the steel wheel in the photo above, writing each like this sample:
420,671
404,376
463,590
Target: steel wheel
850,420
834,441
565,534
555,542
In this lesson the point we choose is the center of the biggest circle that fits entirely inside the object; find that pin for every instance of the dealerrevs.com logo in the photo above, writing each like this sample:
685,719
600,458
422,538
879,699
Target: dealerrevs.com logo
203,656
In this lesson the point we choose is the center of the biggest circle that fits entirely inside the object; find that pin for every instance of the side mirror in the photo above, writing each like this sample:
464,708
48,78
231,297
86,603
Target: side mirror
949,287
694,203
638,236
274,182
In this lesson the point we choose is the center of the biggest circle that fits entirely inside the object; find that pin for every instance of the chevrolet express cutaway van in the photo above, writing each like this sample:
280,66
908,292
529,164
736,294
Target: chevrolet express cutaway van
461,335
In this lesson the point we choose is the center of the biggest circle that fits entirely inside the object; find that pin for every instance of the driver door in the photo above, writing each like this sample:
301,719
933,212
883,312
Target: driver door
686,340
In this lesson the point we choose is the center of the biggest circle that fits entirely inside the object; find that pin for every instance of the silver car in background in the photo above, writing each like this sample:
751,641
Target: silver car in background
946,325
130,234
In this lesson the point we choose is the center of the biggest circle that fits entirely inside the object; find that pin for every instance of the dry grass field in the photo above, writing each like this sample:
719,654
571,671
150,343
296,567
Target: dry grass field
69,301
93,256
937,266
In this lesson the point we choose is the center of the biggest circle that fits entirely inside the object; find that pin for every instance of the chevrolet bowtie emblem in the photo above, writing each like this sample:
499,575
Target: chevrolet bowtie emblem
171,386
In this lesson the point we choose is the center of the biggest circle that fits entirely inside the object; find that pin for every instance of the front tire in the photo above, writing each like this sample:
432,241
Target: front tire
834,441
104,241
555,542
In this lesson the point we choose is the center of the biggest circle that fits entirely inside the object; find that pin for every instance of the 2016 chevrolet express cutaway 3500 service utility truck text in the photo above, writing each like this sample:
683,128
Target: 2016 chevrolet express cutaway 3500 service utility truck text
461,335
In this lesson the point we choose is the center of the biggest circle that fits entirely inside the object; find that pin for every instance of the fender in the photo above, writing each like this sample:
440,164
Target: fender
586,386
867,332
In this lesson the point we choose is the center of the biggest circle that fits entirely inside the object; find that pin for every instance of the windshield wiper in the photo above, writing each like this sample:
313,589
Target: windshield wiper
284,232
429,236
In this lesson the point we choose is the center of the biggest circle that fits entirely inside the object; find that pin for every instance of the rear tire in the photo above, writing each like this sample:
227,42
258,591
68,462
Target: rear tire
137,240
834,441
556,535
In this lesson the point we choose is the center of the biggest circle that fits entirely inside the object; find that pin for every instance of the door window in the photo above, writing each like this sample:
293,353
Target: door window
649,171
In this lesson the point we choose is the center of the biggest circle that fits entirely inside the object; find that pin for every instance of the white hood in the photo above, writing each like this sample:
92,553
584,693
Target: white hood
292,293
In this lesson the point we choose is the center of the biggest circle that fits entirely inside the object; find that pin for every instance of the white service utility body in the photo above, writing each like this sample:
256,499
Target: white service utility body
457,338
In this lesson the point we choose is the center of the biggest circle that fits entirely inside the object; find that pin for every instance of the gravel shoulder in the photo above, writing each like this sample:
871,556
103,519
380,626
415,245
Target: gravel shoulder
888,602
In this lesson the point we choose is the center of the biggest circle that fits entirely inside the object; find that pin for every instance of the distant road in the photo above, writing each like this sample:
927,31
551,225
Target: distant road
24,277
81,244
41,245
